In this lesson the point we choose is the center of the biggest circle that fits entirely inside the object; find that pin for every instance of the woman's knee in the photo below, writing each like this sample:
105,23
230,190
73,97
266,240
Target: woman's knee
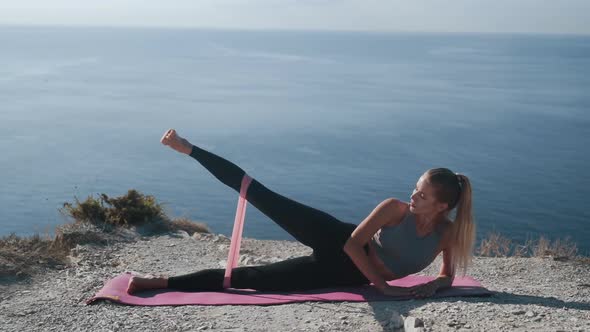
291,274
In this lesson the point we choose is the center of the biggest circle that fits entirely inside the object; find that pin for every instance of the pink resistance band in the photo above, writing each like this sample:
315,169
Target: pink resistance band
236,236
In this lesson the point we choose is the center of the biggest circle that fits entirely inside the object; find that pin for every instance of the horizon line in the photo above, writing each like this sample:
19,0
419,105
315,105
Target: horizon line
275,29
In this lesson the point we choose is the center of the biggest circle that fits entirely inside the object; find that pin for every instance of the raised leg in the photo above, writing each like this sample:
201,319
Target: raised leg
312,227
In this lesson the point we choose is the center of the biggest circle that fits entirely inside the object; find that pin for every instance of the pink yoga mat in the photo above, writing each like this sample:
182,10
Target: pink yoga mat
115,290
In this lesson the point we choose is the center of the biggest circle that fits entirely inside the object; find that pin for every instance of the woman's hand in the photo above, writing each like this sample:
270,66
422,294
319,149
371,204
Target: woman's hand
396,291
423,290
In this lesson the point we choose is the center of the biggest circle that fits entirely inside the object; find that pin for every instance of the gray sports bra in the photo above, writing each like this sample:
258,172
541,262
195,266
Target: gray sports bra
402,250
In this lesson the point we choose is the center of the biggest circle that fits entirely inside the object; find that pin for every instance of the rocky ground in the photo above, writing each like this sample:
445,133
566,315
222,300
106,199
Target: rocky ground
530,294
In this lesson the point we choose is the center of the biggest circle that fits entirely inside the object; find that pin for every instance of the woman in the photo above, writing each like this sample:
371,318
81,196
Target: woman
395,240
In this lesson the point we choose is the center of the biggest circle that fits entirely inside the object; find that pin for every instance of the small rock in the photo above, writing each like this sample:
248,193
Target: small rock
396,321
529,314
245,260
411,323
561,258
182,234
517,312
220,238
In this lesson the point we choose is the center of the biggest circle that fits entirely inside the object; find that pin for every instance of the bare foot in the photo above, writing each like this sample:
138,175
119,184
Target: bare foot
176,142
137,283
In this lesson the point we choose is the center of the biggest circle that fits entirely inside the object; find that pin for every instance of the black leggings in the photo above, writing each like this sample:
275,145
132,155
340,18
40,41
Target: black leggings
327,266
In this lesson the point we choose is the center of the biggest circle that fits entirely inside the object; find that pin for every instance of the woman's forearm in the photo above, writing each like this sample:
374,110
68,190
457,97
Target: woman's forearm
361,260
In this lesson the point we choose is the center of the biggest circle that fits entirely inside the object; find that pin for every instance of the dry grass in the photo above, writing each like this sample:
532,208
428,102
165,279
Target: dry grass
21,257
189,226
497,245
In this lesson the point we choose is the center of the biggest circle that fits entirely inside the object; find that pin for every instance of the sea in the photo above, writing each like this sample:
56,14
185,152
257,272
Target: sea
337,120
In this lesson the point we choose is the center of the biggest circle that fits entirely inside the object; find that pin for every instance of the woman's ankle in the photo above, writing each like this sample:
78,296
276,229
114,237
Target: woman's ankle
164,282
190,151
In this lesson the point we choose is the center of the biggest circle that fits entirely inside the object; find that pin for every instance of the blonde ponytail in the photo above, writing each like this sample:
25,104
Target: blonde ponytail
463,229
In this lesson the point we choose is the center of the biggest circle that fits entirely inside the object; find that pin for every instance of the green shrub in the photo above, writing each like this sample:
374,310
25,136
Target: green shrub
131,209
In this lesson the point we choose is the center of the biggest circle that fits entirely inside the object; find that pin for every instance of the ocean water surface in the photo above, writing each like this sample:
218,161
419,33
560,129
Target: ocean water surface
336,120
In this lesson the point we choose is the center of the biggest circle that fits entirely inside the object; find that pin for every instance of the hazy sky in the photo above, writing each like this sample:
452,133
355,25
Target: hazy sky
536,16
